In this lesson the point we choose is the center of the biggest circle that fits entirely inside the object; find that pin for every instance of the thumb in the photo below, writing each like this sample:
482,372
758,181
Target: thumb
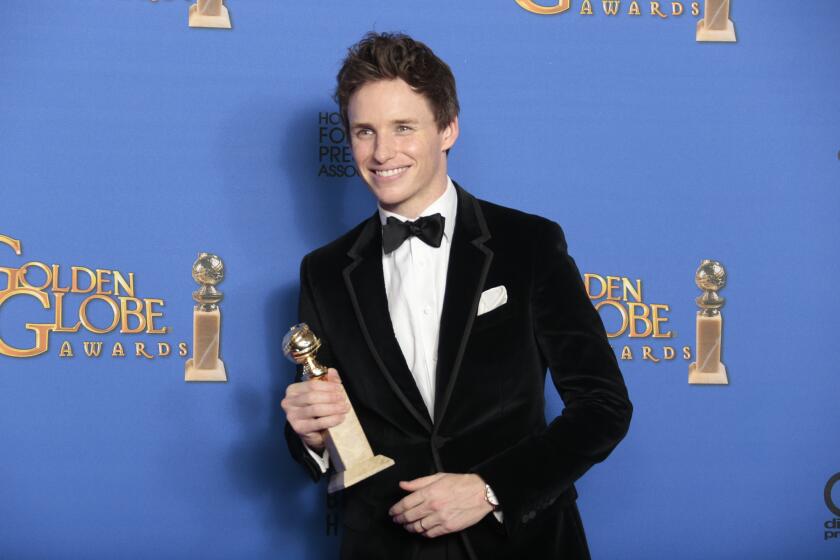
332,375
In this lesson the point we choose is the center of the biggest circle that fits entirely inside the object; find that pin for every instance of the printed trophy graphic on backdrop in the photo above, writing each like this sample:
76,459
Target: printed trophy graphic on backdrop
708,369
349,449
716,25
208,271
209,13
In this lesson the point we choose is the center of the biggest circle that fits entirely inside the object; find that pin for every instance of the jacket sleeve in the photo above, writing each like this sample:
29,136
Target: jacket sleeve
307,313
572,342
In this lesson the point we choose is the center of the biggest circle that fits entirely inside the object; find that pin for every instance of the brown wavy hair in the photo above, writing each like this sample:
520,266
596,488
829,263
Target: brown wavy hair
390,56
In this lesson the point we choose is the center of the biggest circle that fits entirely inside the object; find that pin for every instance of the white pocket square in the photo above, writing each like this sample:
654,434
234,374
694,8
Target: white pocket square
491,299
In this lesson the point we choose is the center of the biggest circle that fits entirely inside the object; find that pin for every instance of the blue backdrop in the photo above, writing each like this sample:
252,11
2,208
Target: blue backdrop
130,142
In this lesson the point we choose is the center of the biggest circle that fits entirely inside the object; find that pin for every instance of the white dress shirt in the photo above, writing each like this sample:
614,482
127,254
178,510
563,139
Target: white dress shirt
415,283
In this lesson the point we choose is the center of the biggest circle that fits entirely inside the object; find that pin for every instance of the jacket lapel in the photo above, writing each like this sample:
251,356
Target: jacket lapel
469,261
365,283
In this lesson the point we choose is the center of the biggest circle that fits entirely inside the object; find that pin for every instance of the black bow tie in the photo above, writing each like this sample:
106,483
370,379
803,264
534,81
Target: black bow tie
428,229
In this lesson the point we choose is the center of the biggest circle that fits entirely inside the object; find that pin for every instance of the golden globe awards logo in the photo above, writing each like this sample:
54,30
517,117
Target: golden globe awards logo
625,313
54,288
715,26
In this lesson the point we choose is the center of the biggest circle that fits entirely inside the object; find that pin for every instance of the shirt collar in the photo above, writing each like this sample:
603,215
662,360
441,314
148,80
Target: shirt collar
446,205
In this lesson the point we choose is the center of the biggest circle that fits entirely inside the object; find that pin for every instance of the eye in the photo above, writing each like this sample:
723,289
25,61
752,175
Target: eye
363,132
402,129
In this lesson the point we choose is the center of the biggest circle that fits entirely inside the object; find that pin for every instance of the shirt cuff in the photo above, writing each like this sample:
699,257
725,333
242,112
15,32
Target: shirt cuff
323,460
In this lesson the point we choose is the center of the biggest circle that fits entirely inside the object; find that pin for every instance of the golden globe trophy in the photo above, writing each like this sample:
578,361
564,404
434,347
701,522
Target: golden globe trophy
708,369
716,26
349,449
209,13
208,271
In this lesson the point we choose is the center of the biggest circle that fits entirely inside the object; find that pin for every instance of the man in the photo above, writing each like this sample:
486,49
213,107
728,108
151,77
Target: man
441,314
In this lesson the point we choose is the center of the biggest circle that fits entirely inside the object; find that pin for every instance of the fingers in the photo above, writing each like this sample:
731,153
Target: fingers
418,483
314,405
332,375
306,427
409,502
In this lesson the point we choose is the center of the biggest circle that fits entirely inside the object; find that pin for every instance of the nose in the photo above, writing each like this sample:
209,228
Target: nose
384,149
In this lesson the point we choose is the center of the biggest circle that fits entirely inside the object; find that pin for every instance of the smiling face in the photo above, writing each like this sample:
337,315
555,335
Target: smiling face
399,151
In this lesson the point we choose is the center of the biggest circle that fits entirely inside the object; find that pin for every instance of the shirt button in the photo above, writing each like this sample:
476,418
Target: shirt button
427,310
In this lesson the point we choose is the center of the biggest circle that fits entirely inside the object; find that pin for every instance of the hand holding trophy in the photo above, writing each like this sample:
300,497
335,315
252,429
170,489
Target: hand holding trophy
349,449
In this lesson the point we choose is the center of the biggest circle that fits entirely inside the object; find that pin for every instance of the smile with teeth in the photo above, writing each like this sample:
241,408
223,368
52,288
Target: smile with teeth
389,172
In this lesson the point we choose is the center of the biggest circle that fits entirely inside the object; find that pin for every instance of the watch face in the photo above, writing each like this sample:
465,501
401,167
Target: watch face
490,496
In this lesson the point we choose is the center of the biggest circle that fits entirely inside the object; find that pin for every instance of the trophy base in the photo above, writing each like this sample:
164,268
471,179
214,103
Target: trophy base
707,377
221,21
359,472
716,35
192,373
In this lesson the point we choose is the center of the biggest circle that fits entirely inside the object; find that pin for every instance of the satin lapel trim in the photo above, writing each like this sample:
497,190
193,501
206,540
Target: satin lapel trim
469,261
366,286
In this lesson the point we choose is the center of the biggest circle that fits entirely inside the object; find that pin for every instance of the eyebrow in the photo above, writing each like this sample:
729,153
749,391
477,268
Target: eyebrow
395,121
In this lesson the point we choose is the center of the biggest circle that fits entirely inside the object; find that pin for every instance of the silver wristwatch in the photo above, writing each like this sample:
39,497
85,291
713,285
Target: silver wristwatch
491,498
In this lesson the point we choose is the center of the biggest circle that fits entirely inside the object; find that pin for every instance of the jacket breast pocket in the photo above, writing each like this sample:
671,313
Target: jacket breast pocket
494,317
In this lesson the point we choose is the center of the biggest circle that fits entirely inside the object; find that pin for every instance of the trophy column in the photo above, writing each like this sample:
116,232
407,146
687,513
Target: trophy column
209,13
205,365
708,369
350,451
716,25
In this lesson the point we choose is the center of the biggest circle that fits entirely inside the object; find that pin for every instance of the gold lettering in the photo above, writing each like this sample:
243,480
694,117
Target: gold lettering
634,9
12,278
627,287
657,321
533,7
55,287
74,280
621,311
183,349
42,331
13,243
24,282
119,281
655,11
586,8
66,350
102,281
86,322
587,280
668,352
93,349
163,349
634,317
676,9
59,315
140,350
686,352
136,312
626,353
610,7
612,287
118,351
151,314
647,355
695,8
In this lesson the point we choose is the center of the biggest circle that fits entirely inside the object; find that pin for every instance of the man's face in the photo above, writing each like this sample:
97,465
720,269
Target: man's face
399,151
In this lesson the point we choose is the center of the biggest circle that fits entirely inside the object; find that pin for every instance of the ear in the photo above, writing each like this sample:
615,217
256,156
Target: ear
450,134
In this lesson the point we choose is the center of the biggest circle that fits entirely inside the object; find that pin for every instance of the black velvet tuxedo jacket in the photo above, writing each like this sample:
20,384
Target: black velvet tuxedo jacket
489,413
